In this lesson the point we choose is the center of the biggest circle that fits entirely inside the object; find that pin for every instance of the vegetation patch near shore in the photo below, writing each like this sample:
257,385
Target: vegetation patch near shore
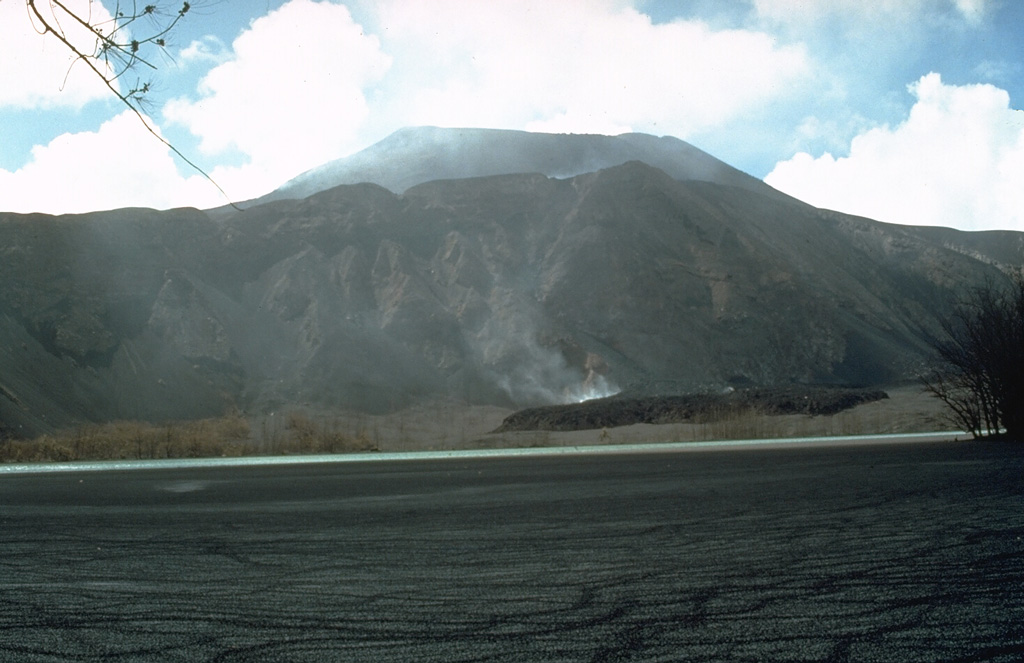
229,436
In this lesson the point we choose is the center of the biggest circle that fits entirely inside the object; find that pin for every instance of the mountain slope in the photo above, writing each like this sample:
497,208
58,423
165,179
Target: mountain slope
510,289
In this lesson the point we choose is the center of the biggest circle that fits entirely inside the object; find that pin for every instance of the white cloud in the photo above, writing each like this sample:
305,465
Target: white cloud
575,65
808,11
119,165
306,84
833,133
207,49
972,10
805,12
291,97
957,160
37,69
996,71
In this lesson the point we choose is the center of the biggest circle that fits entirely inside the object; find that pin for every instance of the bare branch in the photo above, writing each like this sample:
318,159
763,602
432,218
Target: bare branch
117,56
980,370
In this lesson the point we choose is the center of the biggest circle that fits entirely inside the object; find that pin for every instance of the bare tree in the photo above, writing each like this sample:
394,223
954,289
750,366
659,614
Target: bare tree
122,46
980,368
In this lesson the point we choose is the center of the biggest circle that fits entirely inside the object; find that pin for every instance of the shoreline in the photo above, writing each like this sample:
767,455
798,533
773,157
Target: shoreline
516,452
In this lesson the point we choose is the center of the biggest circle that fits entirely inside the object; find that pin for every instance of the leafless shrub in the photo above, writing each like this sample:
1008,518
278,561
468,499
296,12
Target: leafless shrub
122,440
309,436
979,372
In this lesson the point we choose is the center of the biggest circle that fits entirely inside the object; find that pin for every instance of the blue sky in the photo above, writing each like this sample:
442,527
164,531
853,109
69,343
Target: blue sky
907,111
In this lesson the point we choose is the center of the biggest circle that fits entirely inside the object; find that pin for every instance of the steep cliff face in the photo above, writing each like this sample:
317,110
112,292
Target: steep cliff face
515,290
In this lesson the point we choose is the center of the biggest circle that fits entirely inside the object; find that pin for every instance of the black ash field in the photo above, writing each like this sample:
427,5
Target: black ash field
908,552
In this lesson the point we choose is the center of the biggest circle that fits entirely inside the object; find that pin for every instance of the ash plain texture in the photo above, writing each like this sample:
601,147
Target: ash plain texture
911,552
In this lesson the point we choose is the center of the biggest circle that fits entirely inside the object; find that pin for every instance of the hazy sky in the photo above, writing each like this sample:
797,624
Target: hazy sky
902,110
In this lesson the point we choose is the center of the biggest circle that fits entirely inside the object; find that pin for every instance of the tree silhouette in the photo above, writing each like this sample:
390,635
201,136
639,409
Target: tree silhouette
980,369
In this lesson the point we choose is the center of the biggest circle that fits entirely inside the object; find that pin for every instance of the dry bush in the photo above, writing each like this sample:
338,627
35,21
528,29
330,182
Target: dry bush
310,437
979,367
122,440
41,449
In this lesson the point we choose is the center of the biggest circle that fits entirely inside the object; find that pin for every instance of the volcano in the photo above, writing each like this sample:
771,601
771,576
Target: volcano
652,275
